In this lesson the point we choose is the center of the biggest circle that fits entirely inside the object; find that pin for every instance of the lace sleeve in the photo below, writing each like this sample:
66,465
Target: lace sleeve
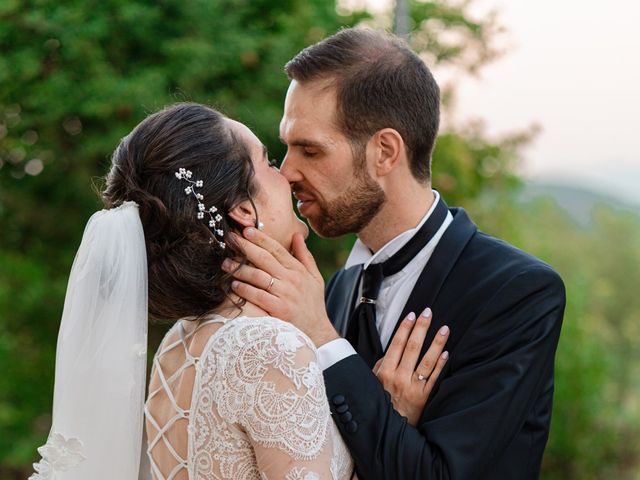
276,395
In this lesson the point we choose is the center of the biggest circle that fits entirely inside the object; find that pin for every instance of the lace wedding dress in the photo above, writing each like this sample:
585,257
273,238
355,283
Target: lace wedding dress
238,399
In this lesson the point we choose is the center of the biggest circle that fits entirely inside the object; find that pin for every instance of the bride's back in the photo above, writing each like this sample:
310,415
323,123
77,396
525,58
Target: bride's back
170,395
241,400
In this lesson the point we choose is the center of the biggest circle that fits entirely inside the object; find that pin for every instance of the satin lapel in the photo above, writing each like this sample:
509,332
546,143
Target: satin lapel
444,257
341,297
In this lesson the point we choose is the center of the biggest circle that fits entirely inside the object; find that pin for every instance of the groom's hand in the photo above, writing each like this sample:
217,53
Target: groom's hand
289,287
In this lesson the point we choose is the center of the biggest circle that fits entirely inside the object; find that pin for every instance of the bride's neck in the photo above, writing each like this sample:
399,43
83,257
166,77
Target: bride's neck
233,307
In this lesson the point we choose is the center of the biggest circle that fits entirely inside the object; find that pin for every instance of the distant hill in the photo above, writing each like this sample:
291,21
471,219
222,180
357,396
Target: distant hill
578,202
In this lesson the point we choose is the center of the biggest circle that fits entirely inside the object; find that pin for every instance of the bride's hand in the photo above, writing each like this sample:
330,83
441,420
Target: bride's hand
410,385
289,287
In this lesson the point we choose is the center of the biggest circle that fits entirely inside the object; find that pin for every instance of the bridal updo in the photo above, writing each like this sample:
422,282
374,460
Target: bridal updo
183,254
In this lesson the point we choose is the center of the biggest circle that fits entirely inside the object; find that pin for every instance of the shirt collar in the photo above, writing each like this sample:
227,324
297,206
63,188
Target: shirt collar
360,253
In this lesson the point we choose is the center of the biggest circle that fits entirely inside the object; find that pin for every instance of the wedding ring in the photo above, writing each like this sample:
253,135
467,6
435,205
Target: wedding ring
273,280
422,378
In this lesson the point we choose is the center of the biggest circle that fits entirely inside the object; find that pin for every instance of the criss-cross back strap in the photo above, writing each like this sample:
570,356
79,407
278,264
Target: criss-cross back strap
165,386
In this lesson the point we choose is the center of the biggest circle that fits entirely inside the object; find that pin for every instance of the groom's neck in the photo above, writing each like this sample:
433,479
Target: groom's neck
403,210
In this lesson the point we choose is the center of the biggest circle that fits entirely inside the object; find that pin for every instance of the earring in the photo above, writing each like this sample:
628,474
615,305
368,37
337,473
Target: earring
260,226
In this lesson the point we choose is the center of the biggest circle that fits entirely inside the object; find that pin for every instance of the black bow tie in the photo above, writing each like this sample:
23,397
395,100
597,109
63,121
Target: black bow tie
361,331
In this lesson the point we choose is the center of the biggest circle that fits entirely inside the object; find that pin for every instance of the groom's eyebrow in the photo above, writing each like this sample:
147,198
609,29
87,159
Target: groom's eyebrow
303,142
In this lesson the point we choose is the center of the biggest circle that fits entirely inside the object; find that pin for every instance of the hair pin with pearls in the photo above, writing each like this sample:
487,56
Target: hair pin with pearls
215,219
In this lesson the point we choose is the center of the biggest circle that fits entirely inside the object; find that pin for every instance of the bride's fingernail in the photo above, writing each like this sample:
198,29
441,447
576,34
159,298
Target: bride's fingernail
444,330
426,313
249,232
445,355
411,317
226,265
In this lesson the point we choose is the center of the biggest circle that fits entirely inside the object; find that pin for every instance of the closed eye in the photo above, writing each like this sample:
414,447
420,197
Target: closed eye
272,162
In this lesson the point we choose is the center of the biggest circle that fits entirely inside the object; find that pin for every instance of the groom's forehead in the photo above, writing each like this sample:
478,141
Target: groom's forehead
313,95
308,118
308,131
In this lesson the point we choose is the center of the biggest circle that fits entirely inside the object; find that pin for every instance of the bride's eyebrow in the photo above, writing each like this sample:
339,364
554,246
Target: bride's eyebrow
265,152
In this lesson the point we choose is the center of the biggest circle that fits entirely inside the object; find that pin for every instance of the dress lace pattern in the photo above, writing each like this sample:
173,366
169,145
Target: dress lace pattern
258,407
58,455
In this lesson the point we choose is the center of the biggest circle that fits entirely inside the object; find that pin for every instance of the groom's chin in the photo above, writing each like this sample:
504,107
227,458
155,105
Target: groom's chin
325,231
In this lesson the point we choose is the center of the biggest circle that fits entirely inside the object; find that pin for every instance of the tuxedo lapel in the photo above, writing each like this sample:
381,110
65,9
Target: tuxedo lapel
342,289
433,276
340,296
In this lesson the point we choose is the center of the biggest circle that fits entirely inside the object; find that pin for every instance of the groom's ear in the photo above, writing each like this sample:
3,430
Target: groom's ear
388,149
244,214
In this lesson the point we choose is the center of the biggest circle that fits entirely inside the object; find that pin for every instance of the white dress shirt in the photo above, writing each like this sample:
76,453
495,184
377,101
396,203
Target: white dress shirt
395,289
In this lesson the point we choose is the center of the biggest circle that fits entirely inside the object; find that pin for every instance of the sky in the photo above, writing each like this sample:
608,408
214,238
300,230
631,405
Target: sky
573,68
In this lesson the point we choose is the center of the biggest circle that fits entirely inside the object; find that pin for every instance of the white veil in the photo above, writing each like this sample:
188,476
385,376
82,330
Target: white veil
101,356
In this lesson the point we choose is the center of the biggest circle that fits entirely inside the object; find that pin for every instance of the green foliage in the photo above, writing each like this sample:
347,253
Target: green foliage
448,35
76,76
595,431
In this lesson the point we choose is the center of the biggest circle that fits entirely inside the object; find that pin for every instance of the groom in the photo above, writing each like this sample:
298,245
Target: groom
360,122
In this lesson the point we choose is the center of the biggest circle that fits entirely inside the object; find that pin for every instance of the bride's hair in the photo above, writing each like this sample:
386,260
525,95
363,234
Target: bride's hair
183,255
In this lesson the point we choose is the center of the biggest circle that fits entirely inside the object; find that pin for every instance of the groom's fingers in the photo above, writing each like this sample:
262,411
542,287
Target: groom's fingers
257,296
268,244
261,258
302,253
249,274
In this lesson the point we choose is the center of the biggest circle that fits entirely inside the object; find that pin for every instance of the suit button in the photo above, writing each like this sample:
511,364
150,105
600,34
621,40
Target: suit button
338,399
342,408
351,427
346,417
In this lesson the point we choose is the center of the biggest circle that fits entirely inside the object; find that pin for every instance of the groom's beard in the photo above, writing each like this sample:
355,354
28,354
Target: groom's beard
353,209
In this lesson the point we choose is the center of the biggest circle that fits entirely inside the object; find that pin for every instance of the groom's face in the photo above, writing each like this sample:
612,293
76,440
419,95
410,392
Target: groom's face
329,177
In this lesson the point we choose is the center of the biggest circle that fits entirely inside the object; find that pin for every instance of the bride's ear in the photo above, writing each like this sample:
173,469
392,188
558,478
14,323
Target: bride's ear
244,214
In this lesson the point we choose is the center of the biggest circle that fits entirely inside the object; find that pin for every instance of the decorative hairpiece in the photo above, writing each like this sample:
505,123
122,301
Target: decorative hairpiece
215,219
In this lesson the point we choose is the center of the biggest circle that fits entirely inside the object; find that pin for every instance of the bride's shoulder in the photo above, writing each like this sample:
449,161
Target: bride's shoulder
170,336
252,350
266,330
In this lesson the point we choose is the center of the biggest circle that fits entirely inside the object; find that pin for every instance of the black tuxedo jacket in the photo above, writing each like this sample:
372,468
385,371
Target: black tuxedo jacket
488,415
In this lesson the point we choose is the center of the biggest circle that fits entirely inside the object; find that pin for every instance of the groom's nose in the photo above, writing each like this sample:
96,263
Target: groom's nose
290,170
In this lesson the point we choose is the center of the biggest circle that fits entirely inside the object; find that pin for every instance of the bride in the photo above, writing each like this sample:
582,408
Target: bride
234,393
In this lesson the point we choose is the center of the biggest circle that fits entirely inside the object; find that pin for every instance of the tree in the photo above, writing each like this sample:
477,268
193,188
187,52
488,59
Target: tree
596,417
76,76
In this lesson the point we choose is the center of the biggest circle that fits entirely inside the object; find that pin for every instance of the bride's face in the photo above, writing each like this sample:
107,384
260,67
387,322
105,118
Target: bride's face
273,200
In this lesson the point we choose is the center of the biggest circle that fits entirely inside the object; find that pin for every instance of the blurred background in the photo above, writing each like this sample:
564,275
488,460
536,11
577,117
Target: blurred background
539,142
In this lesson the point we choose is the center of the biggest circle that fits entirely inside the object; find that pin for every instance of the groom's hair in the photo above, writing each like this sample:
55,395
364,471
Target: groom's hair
380,83
183,256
